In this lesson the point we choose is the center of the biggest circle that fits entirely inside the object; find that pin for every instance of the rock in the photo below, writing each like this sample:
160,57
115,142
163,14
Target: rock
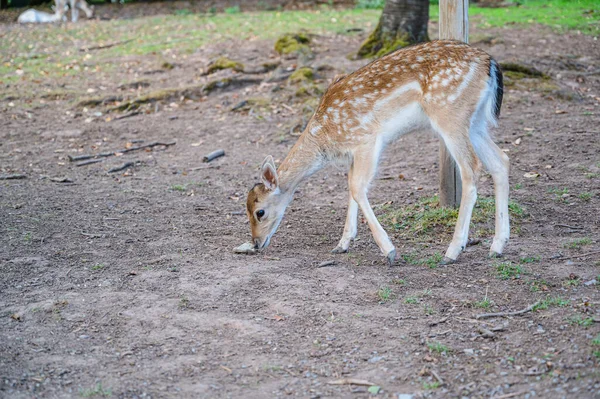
245,248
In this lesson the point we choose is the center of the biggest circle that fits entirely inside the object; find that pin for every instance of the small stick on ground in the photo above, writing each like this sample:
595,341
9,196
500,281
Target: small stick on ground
569,227
583,255
437,376
350,381
509,395
205,167
213,155
501,314
440,321
326,263
13,177
127,115
109,45
123,151
89,162
122,167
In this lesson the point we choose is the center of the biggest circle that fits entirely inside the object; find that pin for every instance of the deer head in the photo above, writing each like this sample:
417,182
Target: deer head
266,205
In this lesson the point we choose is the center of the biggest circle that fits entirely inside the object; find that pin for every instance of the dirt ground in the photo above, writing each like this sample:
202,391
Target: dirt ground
125,285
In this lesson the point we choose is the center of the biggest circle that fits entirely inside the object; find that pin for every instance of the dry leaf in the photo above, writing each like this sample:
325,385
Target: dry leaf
517,141
560,111
528,129
531,175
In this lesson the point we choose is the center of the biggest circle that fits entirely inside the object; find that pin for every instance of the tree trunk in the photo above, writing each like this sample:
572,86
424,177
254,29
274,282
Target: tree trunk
403,22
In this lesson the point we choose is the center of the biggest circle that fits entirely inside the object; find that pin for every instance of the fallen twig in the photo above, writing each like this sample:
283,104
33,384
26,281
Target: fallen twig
205,167
92,235
326,263
122,167
109,45
350,381
499,314
123,151
61,180
13,177
440,321
89,162
437,376
127,115
583,255
509,395
213,155
569,227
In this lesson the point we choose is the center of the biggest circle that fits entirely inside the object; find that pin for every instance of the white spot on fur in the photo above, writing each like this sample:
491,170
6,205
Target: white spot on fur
463,85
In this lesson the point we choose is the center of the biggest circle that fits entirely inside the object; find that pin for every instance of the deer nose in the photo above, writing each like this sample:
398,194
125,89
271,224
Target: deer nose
256,243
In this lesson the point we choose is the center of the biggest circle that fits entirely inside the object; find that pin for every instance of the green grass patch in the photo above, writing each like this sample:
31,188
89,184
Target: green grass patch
427,217
431,261
530,259
581,321
411,300
551,302
385,294
98,267
596,341
560,15
508,270
179,187
428,386
97,390
585,196
485,303
578,243
438,347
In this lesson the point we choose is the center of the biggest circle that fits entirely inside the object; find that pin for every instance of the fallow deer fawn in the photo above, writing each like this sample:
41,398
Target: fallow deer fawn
447,86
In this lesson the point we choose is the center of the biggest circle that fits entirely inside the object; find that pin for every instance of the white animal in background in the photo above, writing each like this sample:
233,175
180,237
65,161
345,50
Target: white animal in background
76,5
32,16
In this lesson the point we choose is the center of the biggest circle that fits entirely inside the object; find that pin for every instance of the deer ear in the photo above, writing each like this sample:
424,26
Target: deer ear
268,174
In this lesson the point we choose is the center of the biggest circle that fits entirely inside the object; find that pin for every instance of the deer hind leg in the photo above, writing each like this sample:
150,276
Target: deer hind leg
363,171
351,222
74,10
88,10
469,166
496,162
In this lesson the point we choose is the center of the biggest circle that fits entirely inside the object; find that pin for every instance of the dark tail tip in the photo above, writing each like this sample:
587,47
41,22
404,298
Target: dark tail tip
496,73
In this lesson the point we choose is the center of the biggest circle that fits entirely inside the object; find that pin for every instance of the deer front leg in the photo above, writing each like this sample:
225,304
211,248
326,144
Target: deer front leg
363,171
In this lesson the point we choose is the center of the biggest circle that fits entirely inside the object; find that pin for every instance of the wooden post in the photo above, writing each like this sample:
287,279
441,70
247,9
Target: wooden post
454,24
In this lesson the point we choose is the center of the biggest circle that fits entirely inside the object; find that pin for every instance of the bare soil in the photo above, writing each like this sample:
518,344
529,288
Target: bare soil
128,279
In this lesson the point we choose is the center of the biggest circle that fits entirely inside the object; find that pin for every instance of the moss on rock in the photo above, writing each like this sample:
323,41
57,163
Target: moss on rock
224,63
303,74
292,43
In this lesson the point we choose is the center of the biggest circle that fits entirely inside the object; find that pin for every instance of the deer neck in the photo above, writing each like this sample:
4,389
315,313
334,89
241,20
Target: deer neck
303,160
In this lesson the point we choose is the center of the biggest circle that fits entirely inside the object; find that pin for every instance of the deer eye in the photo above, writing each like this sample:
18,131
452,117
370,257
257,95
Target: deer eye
259,214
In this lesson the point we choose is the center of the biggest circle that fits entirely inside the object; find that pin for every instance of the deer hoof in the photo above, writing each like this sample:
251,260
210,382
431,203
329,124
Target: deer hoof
391,257
339,250
494,255
447,261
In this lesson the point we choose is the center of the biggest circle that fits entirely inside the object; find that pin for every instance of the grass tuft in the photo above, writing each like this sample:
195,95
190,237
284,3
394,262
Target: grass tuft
427,217
509,270
551,302
438,347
